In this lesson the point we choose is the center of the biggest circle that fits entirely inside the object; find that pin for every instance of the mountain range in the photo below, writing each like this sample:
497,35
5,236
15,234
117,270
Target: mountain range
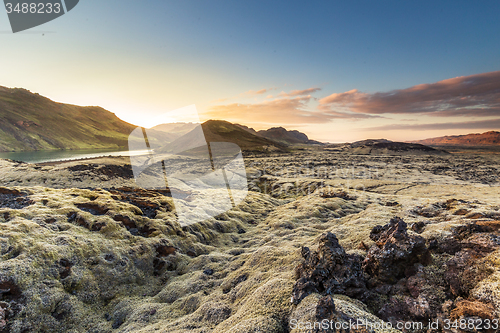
224,131
491,138
281,135
29,122
385,147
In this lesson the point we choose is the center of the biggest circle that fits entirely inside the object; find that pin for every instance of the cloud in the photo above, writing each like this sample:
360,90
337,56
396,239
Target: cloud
250,93
481,124
258,92
469,112
307,91
279,111
347,115
219,100
474,95
286,110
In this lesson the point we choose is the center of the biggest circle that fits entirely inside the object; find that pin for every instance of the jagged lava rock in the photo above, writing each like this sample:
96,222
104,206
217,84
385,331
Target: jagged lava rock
329,270
394,251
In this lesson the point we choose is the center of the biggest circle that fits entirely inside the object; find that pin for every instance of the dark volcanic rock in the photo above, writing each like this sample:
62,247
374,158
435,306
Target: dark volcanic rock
463,273
112,171
397,283
14,199
325,307
429,211
482,237
329,270
447,245
148,201
9,290
92,208
329,193
127,221
394,251
164,250
65,268
76,218
464,231
418,227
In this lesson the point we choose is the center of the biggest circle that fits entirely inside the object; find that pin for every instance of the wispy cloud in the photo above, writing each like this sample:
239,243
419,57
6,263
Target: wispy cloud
329,115
219,100
307,91
481,124
249,93
474,95
256,93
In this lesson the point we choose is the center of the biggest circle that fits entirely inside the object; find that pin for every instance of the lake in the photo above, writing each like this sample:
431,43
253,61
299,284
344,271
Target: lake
65,155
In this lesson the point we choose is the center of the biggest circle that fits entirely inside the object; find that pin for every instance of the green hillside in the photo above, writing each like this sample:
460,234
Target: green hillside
29,121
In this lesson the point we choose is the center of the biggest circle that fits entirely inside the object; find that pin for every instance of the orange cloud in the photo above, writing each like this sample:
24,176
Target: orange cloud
279,111
474,95
343,98
276,111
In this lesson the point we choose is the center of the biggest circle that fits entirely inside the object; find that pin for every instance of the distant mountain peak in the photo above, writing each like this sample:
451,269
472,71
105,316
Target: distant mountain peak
287,137
370,142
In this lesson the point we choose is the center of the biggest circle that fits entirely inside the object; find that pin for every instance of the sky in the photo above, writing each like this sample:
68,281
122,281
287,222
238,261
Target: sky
338,71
